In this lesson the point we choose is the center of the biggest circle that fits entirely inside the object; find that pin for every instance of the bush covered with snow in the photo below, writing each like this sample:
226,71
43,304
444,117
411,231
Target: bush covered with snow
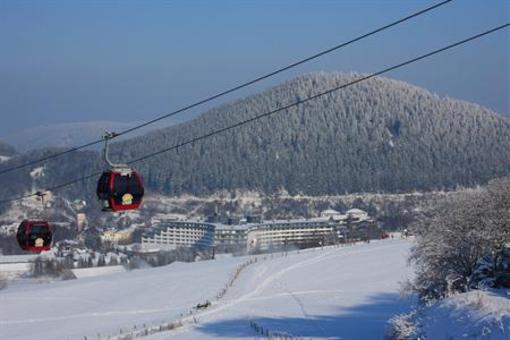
461,243
403,327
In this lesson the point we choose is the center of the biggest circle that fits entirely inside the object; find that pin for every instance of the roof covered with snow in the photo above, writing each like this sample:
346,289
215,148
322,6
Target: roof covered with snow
356,211
329,212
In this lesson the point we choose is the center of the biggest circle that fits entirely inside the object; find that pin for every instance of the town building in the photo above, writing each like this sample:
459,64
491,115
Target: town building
169,235
117,236
331,228
301,233
357,215
230,238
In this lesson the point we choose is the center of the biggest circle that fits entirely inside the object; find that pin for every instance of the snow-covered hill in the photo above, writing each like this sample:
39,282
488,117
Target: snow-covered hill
347,292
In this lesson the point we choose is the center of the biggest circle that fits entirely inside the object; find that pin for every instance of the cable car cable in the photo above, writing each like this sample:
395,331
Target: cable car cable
266,114
228,91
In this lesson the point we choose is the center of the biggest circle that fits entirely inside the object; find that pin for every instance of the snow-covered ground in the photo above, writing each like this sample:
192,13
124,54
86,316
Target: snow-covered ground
104,304
347,292
471,315
4,158
17,258
13,266
81,273
37,172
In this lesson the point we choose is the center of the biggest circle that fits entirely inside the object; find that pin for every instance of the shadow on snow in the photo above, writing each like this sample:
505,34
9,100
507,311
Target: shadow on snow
365,321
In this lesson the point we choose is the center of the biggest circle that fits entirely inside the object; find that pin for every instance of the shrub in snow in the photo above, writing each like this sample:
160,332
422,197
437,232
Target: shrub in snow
403,327
455,237
47,266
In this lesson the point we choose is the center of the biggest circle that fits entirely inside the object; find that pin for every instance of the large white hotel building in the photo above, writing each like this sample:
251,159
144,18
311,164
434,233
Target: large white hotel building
169,235
332,227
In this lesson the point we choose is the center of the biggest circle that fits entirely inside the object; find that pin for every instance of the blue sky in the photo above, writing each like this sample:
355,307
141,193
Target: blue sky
70,61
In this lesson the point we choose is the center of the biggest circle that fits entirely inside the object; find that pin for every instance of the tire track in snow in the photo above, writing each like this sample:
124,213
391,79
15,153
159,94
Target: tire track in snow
305,313
286,294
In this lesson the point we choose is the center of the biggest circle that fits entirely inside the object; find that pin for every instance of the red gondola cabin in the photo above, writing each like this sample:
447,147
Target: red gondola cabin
34,236
120,190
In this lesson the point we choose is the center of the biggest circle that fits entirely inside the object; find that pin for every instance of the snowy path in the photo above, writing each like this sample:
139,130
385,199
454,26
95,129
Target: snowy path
339,293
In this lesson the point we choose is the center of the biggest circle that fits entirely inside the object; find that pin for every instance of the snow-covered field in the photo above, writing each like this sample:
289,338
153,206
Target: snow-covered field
17,258
347,293
81,273
13,266
471,315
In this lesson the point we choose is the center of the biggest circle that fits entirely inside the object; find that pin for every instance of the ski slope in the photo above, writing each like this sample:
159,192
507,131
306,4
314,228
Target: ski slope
347,292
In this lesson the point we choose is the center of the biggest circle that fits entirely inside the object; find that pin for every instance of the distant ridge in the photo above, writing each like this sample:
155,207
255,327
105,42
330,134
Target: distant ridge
66,135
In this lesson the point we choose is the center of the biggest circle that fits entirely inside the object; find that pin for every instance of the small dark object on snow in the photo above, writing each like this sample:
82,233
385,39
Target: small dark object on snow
203,305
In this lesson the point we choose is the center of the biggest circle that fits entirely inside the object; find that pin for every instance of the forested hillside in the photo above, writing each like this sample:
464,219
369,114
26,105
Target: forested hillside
380,135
